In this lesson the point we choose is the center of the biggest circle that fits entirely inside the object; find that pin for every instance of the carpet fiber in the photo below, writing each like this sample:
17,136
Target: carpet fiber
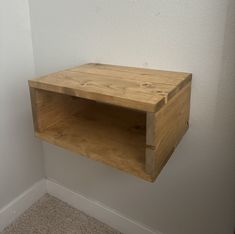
50,215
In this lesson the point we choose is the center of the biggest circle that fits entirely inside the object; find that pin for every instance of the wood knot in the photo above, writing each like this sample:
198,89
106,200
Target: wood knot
147,85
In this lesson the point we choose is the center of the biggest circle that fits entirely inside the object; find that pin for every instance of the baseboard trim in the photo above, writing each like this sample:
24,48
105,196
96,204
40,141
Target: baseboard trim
97,210
91,207
16,207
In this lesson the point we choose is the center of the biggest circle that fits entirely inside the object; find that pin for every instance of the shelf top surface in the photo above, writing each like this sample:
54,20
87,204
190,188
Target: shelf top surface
137,88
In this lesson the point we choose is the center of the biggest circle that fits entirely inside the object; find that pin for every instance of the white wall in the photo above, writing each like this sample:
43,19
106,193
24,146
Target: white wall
20,153
194,193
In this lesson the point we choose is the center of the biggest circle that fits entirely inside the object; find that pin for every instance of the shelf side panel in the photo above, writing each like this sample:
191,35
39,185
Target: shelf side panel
33,98
49,108
168,127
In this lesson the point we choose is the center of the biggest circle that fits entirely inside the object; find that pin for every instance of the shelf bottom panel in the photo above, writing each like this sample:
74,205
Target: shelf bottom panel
120,148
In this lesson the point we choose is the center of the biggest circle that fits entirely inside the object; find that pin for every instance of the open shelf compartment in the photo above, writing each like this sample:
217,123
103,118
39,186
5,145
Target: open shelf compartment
129,118
110,134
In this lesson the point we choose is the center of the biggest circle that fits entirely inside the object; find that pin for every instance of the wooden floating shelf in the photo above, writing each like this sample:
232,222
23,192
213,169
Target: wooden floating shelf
129,118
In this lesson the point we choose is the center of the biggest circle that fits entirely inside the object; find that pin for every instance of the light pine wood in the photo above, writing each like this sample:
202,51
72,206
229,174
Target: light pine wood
168,127
138,91
33,93
128,118
163,83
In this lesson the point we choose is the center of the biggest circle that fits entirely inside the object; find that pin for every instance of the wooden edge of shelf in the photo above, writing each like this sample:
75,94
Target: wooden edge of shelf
140,174
147,107
137,69
178,88
104,98
34,107
164,139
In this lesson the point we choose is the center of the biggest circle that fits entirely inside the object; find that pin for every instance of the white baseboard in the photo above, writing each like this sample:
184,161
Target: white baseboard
93,208
16,207
98,210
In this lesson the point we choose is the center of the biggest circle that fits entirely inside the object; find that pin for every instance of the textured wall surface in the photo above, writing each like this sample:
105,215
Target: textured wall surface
20,153
194,192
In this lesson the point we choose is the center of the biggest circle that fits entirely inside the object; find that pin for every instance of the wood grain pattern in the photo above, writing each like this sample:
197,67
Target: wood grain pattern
169,124
33,93
156,75
129,118
112,135
137,91
163,83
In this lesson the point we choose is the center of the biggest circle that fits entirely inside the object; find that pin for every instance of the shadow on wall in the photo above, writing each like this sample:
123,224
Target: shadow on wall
225,107
225,110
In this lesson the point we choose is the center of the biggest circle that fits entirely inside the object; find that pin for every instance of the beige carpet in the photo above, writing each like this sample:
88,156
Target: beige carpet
52,216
